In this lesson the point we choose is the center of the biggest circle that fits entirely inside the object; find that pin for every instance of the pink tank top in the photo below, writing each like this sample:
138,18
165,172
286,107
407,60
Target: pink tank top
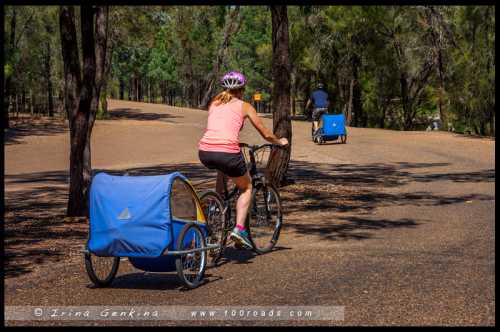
223,127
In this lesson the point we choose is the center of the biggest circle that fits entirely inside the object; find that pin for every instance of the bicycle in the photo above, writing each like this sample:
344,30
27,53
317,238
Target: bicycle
264,219
316,135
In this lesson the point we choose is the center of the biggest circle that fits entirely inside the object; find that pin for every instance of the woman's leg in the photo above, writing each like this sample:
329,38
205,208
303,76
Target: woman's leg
244,184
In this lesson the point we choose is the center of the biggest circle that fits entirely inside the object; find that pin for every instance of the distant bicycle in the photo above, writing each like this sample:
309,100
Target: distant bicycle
264,219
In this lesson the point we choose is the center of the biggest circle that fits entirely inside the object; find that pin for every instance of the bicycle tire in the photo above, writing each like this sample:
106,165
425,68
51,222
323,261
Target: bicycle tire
186,261
257,224
91,271
217,233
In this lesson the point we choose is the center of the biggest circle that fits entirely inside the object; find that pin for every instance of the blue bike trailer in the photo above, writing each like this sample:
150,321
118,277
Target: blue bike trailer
333,126
140,217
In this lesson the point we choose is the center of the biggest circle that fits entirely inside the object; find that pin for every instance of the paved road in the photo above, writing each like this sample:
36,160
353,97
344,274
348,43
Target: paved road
397,227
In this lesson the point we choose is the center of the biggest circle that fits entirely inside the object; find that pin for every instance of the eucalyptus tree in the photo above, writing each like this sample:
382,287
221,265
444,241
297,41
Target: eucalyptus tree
83,82
282,126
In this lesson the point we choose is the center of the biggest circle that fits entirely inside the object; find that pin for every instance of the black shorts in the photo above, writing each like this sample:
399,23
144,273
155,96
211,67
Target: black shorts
318,112
231,164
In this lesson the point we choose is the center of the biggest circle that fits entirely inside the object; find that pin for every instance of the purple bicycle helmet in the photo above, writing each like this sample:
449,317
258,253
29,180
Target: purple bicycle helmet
233,80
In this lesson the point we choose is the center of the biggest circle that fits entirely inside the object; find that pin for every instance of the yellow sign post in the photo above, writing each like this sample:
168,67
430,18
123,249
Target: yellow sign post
257,97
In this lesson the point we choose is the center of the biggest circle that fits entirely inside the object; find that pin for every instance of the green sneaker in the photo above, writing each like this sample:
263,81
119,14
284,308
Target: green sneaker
241,237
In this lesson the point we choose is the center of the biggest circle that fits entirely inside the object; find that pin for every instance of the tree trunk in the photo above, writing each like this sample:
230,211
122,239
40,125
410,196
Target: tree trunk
130,89
136,89
407,121
358,107
149,92
122,89
442,112
7,87
97,52
282,126
492,122
77,119
23,101
349,117
16,98
81,95
104,97
355,94
382,117
103,54
164,96
433,20
32,103
49,81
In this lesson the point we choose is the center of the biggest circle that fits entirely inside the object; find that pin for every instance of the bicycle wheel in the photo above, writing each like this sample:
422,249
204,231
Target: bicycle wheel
191,266
265,218
213,208
101,270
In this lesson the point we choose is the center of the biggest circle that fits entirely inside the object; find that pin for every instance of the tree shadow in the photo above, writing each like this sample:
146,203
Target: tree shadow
474,137
36,230
154,281
362,188
241,256
33,127
381,174
318,202
137,114
349,227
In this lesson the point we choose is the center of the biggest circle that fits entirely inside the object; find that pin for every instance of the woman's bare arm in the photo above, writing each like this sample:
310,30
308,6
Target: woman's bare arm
267,134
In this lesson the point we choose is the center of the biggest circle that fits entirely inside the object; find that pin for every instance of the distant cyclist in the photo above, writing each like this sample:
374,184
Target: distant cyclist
219,147
319,99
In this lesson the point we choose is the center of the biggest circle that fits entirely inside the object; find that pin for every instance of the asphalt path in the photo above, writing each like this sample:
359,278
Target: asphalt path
396,227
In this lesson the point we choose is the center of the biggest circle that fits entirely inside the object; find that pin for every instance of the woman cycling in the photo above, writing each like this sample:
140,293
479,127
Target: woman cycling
219,147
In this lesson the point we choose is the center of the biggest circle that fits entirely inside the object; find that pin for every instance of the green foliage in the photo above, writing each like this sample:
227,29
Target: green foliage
172,50
102,115
251,50
7,70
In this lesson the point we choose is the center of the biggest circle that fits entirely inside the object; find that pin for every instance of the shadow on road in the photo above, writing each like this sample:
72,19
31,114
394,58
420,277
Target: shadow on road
33,127
154,281
44,126
242,256
320,202
349,227
136,114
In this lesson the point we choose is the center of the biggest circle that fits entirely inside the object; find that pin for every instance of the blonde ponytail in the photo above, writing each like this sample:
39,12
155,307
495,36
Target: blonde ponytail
223,98
227,95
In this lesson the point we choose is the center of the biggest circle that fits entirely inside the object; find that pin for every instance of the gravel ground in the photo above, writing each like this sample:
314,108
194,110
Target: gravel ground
397,227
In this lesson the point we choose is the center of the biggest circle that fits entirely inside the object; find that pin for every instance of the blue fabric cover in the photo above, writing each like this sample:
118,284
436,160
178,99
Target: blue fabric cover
333,125
130,215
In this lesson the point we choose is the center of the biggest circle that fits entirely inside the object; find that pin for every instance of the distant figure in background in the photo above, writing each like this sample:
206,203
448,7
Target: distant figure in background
320,102
435,125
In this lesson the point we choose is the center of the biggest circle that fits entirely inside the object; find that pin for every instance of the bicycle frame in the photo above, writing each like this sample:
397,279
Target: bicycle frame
256,182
